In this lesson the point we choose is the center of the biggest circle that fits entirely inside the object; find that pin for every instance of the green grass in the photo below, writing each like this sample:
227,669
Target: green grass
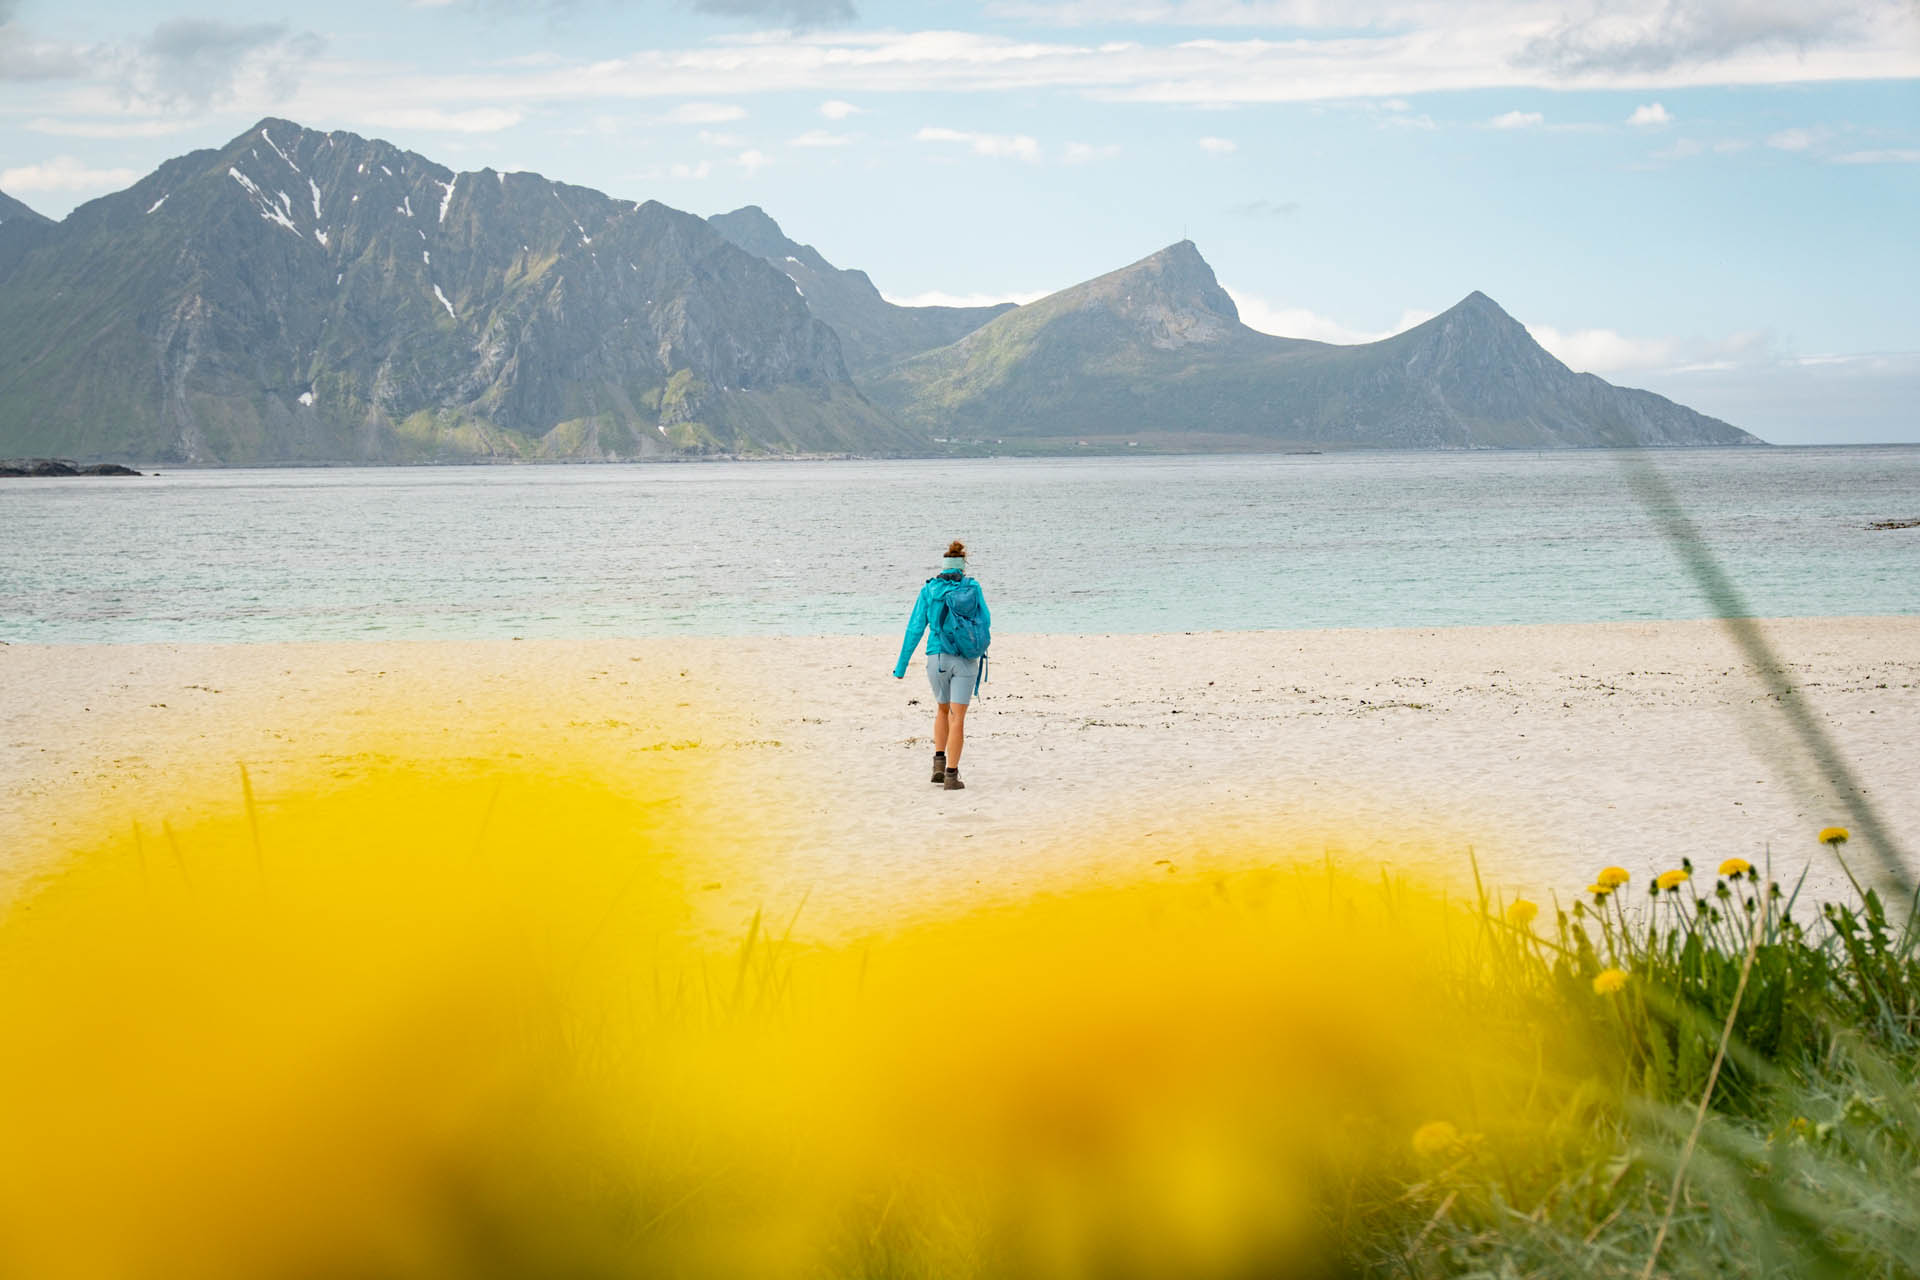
1807,1157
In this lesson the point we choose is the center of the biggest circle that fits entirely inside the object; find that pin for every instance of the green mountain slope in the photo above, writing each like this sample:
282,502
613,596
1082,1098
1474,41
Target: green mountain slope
1156,352
873,332
299,296
11,209
21,230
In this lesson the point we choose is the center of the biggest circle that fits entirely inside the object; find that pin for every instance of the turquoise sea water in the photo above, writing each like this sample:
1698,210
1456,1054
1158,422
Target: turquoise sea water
1062,545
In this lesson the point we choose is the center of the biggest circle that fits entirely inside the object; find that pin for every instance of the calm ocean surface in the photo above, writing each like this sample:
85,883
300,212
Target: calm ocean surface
1062,545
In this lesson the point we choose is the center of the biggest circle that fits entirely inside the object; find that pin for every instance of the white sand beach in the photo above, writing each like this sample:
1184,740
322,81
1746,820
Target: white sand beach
1550,750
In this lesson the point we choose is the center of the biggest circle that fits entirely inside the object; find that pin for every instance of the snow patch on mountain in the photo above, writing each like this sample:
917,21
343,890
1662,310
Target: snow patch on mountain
277,151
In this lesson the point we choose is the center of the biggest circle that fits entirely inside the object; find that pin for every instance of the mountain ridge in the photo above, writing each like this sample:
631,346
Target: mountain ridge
22,229
873,331
1156,348
11,209
300,296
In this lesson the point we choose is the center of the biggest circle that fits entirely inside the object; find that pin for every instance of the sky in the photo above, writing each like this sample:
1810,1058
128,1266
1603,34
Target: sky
1714,199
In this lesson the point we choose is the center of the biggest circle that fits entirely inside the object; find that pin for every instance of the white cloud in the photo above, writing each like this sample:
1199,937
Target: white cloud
1373,50
690,172
834,109
107,128
1087,152
185,65
1598,351
937,298
477,120
819,138
1796,139
1000,145
753,160
1517,120
64,173
1605,351
728,140
1650,116
1219,146
1900,155
1300,322
705,113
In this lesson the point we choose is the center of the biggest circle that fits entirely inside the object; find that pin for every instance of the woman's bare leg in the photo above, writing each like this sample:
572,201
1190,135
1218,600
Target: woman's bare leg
956,734
940,727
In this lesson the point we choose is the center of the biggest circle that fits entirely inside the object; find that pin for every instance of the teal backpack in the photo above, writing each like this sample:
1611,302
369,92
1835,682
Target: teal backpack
959,618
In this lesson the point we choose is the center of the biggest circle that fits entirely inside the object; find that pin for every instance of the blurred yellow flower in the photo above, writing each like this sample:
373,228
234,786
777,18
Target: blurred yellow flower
1608,981
1521,913
1599,890
1833,835
1612,877
1672,879
1735,867
1435,1138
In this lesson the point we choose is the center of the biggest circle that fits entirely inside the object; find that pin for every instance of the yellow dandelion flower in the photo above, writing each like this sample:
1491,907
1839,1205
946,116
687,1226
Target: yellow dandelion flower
1608,981
1735,867
1599,890
1612,877
1521,913
1435,1138
1672,879
1833,835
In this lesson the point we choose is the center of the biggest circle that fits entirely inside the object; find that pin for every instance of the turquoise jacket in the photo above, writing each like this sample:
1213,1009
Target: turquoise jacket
917,624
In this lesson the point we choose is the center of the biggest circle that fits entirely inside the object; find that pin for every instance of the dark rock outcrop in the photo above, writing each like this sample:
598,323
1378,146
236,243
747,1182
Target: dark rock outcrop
61,467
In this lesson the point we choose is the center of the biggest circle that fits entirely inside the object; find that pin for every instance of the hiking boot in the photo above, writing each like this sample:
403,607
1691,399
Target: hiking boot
953,781
939,766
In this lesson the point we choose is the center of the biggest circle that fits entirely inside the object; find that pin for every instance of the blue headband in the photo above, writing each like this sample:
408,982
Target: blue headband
954,564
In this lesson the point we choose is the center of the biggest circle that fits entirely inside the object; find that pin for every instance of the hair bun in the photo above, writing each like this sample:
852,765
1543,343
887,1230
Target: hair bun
957,548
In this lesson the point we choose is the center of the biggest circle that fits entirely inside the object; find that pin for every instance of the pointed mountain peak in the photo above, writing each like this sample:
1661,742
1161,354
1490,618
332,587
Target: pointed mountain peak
1476,330
283,134
1479,308
752,215
754,230
1176,278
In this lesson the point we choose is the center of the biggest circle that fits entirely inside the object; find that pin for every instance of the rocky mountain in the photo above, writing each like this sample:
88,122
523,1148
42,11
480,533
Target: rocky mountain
1156,353
298,296
873,332
303,296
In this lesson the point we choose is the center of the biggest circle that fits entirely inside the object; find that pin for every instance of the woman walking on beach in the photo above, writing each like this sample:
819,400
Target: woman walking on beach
952,611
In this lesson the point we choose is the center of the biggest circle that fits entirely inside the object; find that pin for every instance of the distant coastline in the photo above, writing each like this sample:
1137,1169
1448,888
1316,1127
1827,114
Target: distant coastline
1009,450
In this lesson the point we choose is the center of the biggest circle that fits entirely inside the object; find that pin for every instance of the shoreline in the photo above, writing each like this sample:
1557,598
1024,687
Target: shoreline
1330,450
1548,749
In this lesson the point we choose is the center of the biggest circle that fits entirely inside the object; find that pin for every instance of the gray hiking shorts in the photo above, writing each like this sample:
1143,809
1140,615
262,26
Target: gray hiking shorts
952,677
